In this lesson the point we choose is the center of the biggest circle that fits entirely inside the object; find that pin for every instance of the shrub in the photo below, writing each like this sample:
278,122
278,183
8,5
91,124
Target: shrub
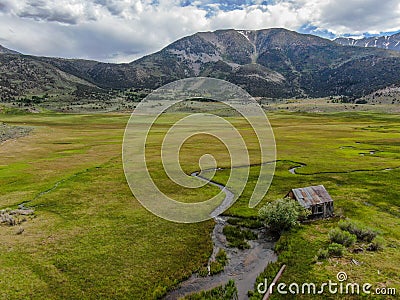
223,292
240,244
221,257
249,235
231,231
322,253
367,235
363,234
347,226
159,292
303,213
282,214
237,237
7,219
283,244
335,249
245,222
342,237
375,246
216,267
203,272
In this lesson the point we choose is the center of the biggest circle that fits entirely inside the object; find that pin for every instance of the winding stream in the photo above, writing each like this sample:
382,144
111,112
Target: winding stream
293,170
243,266
229,195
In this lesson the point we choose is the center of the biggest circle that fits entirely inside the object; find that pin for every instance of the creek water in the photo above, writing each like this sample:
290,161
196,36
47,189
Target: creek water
243,266
293,170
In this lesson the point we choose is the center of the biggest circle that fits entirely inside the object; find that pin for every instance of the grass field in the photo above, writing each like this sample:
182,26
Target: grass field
357,158
91,239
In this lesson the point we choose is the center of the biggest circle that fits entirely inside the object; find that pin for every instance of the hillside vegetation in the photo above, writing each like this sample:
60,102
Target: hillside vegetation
272,62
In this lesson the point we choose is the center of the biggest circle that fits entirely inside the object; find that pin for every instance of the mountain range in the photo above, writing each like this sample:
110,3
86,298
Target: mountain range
271,62
391,42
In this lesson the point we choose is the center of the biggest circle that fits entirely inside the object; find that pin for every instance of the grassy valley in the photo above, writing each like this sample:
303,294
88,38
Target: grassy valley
91,239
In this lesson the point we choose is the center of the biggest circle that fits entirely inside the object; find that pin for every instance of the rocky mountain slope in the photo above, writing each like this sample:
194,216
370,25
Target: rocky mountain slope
22,75
391,42
4,50
270,62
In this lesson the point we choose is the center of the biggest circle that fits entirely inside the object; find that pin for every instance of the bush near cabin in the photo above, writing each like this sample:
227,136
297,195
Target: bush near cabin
282,214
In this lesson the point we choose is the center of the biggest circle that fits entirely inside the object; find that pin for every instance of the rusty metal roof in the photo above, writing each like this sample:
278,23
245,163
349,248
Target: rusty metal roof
312,195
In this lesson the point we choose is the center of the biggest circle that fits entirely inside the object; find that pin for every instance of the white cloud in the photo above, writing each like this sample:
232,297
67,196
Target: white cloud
353,17
121,30
256,17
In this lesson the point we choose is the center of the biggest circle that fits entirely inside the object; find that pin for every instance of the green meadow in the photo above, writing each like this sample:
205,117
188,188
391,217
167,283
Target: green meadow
90,238
357,158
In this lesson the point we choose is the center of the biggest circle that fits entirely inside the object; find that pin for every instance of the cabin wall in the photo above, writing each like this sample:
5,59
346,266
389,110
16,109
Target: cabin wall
324,210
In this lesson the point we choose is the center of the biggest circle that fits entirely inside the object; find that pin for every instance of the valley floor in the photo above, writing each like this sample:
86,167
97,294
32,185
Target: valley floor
91,239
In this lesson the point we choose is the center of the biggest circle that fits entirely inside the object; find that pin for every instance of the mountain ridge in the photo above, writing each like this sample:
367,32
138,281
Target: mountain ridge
271,62
4,50
389,42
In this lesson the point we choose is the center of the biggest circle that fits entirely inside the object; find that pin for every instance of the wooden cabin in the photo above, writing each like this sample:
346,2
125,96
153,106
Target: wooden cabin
314,198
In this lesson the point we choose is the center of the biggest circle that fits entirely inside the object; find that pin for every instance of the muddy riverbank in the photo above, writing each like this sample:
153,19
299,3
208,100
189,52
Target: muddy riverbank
243,265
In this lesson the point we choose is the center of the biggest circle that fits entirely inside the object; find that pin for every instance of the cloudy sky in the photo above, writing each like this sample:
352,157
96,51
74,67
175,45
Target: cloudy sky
123,30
